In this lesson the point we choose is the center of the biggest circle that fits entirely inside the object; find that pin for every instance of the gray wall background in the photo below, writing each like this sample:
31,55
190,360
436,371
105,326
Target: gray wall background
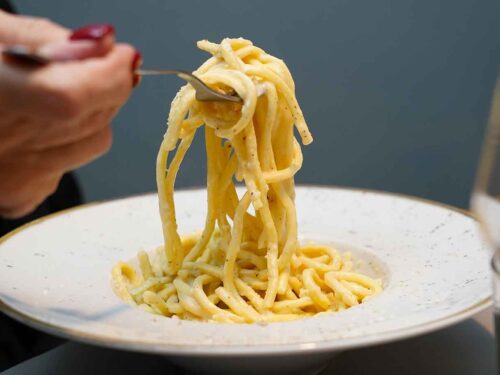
396,93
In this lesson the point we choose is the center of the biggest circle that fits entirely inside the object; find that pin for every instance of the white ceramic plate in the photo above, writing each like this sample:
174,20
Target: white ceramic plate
55,274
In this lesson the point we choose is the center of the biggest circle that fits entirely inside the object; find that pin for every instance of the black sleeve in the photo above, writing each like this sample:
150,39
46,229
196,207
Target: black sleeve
67,195
6,6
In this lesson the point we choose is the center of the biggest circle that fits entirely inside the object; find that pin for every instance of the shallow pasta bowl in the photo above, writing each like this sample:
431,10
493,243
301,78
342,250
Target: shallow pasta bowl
55,276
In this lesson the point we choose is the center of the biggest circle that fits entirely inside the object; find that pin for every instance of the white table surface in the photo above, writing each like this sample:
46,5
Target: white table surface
464,349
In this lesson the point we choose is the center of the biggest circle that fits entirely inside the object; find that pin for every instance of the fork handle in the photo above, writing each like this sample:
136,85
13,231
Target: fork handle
24,54
158,72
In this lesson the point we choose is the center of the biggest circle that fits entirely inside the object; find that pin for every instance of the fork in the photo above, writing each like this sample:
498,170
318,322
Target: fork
203,92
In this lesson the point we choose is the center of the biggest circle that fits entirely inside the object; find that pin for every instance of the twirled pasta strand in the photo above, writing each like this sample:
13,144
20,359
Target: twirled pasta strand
245,266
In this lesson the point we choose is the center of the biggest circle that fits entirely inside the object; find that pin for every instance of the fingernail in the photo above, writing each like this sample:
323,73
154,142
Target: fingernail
136,62
92,32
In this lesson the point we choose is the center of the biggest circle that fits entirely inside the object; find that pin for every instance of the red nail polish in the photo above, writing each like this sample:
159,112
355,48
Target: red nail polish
136,62
92,32
135,80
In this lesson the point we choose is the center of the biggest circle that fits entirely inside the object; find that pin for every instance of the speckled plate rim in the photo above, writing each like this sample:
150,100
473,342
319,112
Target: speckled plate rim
241,350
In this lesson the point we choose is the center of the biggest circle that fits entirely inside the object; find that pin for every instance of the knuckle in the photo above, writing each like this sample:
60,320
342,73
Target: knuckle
14,213
21,193
66,100
53,185
41,24
18,206
25,209
61,90
69,104
122,67
105,140
123,91
126,50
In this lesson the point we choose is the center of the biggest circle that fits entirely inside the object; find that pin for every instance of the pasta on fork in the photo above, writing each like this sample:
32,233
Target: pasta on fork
247,265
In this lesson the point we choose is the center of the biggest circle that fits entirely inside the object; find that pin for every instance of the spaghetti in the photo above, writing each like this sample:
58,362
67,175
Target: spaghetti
247,265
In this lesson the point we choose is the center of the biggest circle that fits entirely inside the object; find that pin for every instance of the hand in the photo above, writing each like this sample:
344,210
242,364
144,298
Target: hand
57,117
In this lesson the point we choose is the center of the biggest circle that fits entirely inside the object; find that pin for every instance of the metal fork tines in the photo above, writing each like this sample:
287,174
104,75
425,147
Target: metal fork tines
203,92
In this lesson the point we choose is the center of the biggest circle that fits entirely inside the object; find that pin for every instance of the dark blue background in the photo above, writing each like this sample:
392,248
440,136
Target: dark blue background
396,93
